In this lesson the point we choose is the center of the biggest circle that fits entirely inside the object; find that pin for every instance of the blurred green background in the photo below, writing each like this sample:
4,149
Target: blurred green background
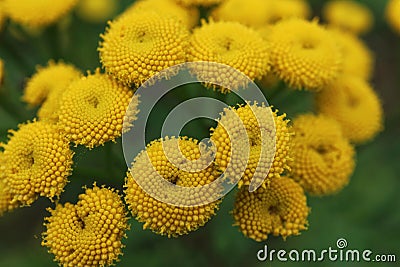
366,213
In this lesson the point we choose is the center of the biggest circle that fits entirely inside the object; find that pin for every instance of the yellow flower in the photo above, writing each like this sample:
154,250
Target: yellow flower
280,209
97,10
189,16
353,103
89,233
161,217
259,13
137,46
392,14
252,13
36,162
304,54
54,77
205,3
37,13
348,15
92,109
284,9
323,159
265,130
232,44
357,58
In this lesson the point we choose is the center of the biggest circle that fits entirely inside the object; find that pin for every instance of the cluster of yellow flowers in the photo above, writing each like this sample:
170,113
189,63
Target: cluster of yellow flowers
41,13
263,39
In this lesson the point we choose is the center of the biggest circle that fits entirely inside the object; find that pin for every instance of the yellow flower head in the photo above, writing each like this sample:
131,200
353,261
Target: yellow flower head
97,10
280,209
137,46
348,15
259,13
284,9
354,104
37,13
36,162
89,233
265,129
392,14
232,44
54,77
92,109
189,16
357,58
304,54
163,218
205,3
323,159
252,13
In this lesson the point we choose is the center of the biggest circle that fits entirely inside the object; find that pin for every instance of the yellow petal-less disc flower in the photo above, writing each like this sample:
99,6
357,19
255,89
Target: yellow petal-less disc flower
304,54
262,124
357,58
36,162
189,16
97,10
232,44
284,9
259,13
354,104
280,209
89,233
37,13
161,217
92,109
55,76
323,159
252,13
392,14
137,46
348,15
